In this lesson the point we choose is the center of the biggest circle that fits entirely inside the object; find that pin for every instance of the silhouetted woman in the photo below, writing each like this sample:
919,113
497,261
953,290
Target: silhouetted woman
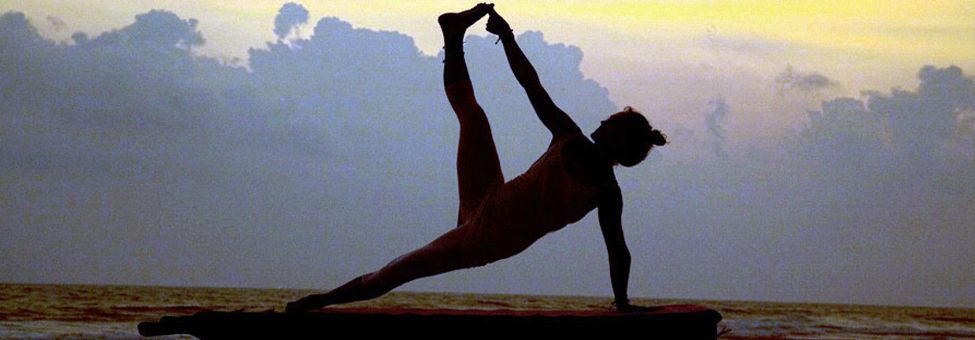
499,219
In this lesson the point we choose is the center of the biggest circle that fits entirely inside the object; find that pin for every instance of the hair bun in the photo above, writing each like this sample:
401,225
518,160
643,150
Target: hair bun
657,138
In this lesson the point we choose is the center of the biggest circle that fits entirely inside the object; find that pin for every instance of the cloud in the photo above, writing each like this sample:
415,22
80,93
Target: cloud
289,17
713,122
164,167
924,122
879,181
156,27
889,137
790,79
965,132
56,22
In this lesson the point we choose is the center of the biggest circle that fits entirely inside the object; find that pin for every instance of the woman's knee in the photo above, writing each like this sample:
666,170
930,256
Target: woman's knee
461,98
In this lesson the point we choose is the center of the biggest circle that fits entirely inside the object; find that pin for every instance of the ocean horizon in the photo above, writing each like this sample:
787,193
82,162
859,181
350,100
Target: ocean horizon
114,311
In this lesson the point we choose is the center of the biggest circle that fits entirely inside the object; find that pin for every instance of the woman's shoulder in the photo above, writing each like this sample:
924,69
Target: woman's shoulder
583,162
575,142
574,135
574,145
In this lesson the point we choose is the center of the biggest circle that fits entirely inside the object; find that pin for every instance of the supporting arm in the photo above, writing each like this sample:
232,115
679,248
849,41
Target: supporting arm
610,211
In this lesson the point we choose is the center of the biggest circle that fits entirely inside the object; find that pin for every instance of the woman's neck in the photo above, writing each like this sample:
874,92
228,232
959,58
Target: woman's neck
603,155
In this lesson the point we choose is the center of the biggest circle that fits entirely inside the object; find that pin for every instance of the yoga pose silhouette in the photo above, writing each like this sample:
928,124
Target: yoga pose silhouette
499,219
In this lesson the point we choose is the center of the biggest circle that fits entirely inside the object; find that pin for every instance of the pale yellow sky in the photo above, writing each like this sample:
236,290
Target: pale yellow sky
895,31
864,44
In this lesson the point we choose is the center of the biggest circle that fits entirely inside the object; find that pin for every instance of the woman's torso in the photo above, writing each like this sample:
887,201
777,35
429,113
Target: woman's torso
543,199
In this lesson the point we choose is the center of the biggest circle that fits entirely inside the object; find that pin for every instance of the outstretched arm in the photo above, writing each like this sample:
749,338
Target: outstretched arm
556,120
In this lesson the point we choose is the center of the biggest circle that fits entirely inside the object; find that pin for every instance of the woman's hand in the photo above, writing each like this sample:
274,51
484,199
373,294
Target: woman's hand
497,25
626,307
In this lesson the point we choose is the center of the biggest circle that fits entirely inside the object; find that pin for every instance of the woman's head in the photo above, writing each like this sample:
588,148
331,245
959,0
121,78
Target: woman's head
627,137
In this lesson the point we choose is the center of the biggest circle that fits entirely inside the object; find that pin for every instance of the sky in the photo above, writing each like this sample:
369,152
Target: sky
821,151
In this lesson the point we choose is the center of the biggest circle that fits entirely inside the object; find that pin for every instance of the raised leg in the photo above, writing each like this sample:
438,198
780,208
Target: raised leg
478,167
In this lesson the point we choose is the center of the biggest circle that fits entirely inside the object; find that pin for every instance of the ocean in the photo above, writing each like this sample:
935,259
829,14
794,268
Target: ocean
90,311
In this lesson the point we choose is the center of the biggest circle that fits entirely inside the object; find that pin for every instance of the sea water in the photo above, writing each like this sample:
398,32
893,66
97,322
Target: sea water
86,311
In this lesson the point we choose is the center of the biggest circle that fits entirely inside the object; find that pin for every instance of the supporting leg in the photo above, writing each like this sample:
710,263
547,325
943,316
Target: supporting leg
446,253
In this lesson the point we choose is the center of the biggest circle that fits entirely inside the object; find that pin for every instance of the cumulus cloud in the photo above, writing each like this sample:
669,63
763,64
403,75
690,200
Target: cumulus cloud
910,140
157,27
790,79
878,181
289,17
924,122
163,167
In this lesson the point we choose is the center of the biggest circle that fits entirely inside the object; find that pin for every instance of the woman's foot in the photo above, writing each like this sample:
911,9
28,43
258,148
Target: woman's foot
454,25
305,304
